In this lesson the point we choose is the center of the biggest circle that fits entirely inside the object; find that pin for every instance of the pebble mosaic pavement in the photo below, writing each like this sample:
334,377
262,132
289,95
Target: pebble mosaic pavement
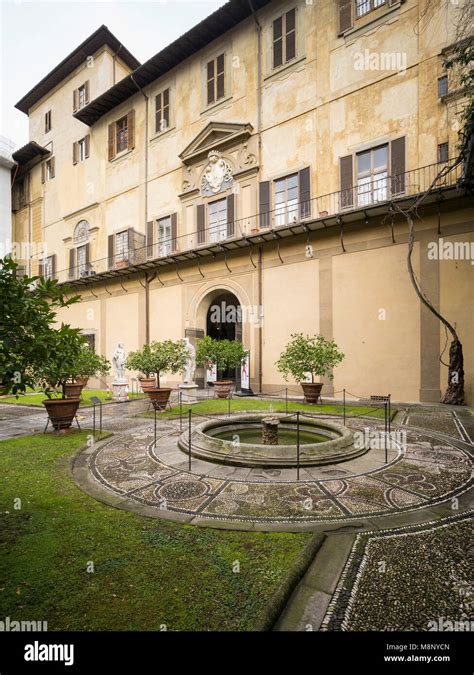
427,471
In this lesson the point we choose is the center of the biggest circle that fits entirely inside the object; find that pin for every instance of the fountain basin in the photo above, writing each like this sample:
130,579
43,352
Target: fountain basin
238,441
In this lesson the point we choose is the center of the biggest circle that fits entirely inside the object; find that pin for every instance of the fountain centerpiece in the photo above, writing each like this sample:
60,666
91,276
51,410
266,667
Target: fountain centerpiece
270,430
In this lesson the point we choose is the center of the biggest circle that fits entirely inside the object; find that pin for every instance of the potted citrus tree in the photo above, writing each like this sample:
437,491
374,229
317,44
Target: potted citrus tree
65,346
225,354
312,355
88,364
167,356
141,360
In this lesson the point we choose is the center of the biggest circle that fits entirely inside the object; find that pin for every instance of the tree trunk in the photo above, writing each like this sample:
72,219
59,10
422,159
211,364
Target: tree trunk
454,394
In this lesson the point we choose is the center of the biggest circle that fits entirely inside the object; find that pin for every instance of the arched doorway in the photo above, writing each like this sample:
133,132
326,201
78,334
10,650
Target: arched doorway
224,322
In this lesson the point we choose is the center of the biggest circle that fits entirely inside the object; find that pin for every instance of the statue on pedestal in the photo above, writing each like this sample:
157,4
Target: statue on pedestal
118,360
190,368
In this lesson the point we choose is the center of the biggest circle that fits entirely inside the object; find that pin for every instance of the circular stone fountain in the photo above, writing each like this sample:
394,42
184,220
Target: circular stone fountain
260,440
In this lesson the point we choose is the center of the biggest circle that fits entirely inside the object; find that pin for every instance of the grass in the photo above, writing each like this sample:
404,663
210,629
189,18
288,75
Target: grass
147,573
248,404
38,398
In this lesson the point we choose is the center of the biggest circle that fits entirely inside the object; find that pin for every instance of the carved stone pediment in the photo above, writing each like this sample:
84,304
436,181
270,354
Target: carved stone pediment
215,136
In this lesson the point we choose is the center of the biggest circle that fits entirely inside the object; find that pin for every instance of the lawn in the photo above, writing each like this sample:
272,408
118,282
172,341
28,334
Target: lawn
37,399
212,406
146,573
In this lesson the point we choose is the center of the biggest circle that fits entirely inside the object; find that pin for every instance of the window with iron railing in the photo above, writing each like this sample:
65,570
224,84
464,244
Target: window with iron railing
121,246
372,175
81,260
164,236
286,200
218,220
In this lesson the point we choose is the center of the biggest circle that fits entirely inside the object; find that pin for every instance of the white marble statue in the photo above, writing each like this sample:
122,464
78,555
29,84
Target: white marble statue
118,360
190,368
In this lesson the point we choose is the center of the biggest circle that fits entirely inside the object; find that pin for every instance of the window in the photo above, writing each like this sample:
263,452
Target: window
372,175
81,260
121,132
90,338
47,122
81,96
286,200
122,135
47,169
121,246
284,38
162,108
443,153
365,6
442,86
164,236
216,79
48,269
80,150
218,220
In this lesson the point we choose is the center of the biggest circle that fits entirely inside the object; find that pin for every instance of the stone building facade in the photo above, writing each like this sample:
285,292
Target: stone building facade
258,162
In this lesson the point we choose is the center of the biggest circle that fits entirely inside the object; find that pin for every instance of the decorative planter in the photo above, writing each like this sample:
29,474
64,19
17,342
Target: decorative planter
73,389
159,396
222,388
147,383
312,391
120,390
61,411
120,264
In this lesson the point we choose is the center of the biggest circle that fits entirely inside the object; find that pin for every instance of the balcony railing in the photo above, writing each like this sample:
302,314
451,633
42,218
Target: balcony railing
366,197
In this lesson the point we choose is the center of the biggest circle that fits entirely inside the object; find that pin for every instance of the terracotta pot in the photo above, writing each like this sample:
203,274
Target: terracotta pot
147,383
159,396
73,389
61,411
222,388
312,391
120,264
82,380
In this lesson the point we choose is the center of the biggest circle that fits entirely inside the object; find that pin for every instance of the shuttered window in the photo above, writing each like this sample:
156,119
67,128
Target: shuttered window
164,236
121,135
372,175
286,200
217,216
49,267
47,122
443,153
81,260
346,15
284,38
80,96
215,72
442,86
121,246
48,170
365,6
162,111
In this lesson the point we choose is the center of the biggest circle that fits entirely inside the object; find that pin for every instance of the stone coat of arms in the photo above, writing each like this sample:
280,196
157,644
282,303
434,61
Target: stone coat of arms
217,174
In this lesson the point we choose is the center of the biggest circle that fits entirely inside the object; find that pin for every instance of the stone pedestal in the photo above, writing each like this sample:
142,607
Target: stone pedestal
270,430
120,390
188,393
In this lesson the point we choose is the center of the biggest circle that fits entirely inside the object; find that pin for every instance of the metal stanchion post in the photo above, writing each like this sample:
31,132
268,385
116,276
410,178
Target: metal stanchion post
189,438
93,420
344,404
230,394
389,413
385,434
286,400
100,418
181,411
297,445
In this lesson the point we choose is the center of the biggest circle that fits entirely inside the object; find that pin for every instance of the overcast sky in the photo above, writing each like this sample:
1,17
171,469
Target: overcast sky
36,35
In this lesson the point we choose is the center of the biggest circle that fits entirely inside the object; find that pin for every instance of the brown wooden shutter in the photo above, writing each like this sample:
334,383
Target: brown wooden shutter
290,35
87,142
86,91
111,141
220,76
131,130
346,173
264,203
150,229
110,246
41,268
75,100
53,266
88,253
201,224
72,262
53,167
398,165
278,42
231,215
74,153
346,17
43,172
304,184
210,82
174,232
